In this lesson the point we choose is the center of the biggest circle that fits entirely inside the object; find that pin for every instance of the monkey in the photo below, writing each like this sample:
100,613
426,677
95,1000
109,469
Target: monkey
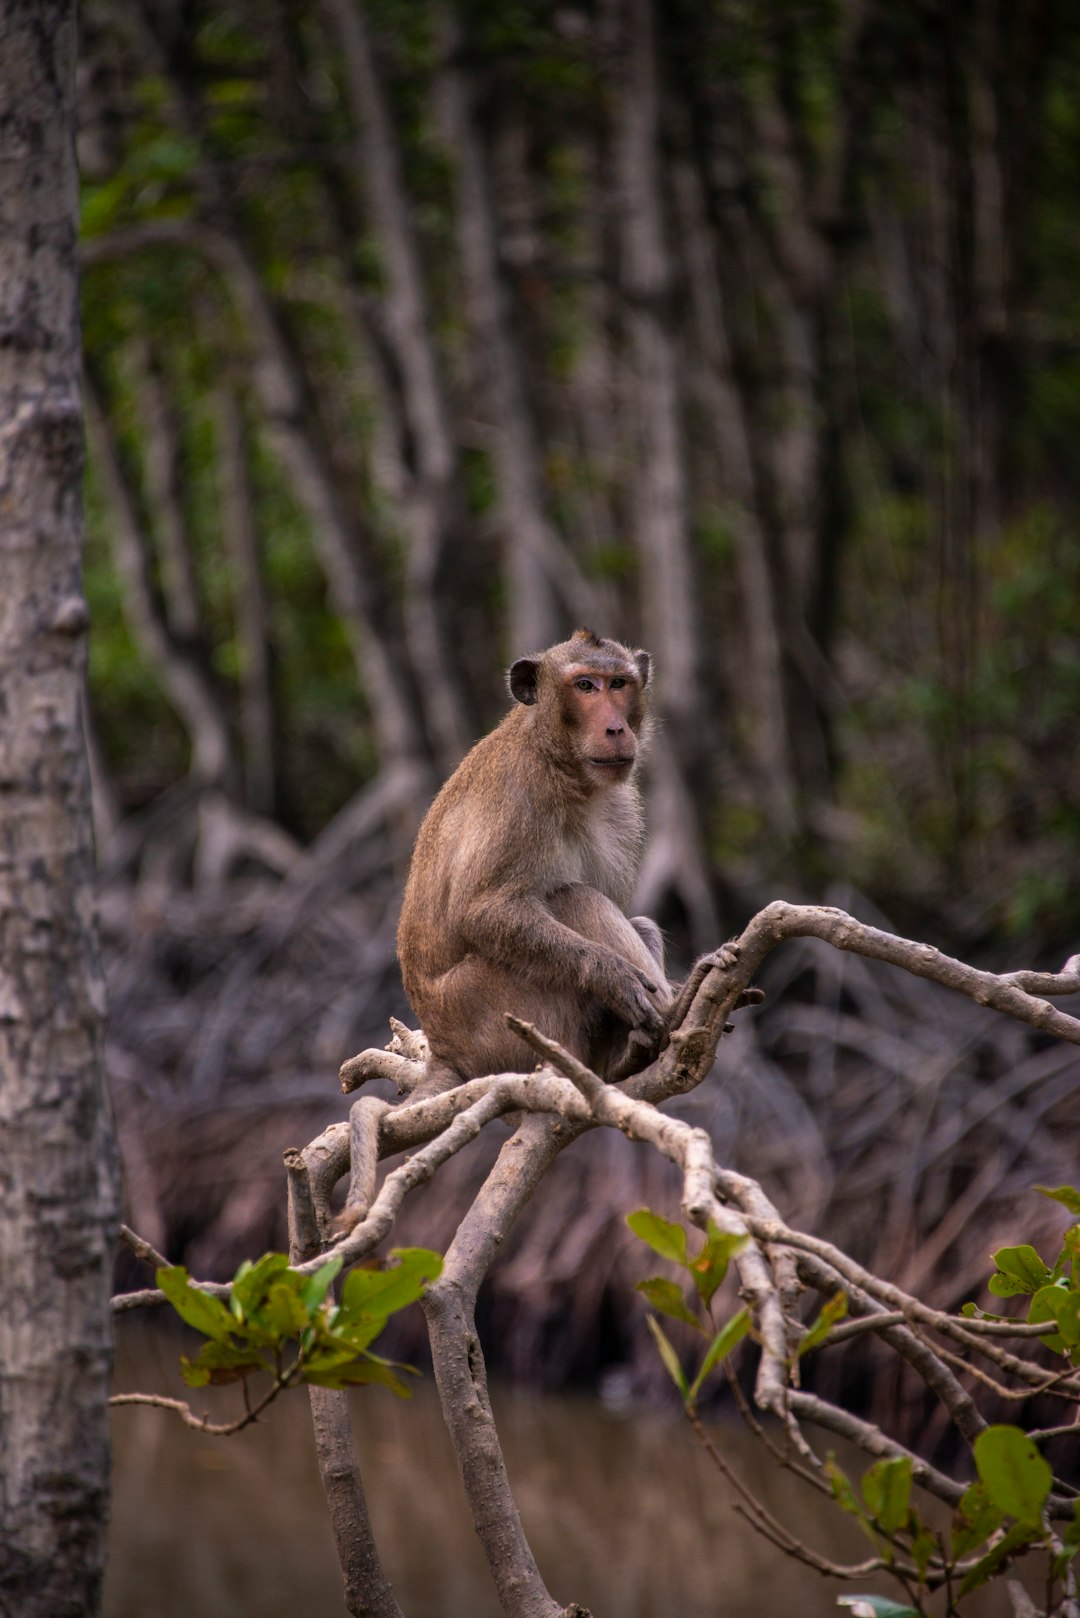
522,873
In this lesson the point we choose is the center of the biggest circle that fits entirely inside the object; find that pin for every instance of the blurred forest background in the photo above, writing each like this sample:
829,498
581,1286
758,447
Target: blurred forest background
418,334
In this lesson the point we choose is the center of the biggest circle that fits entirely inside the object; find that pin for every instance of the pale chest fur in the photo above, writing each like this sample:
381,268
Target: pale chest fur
601,845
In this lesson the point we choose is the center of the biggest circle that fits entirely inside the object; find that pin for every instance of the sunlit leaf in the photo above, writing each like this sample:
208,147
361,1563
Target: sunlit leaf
1016,1477
1071,1536
328,1371
974,1520
832,1311
668,1298
1019,1535
1020,1269
924,1543
380,1293
199,1309
848,1500
1067,1195
219,1363
253,1281
886,1488
352,1336
665,1238
669,1357
710,1266
1061,1305
318,1285
721,1346
283,1312
843,1491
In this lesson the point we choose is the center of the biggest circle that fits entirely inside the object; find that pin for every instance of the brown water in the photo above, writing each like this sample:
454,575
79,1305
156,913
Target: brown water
624,1512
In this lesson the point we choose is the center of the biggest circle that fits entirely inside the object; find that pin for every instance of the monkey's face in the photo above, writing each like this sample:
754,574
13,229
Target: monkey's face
589,697
603,712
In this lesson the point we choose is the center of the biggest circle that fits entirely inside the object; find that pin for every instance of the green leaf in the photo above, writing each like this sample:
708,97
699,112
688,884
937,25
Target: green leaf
199,1309
352,1336
668,1298
1061,1305
283,1313
720,1347
1067,1195
835,1309
1020,1270
985,1568
1006,1286
661,1235
886,1488
923,1545
379,1293
710,1266
253,1281
331,1371
1071,1536
974,1520
1016,1477
669,1357
876,1607
846,1498
843,1492
219,1363
318,1285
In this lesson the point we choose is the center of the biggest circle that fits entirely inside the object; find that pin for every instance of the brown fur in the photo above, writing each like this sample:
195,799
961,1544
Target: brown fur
523,869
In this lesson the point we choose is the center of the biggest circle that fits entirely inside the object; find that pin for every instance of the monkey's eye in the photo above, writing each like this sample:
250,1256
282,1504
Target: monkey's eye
617,683
584,685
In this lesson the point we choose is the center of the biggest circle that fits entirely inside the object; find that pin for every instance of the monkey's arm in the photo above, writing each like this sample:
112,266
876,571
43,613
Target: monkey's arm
516,930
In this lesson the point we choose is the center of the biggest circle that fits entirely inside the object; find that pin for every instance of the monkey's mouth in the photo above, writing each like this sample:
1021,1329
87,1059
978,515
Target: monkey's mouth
611,763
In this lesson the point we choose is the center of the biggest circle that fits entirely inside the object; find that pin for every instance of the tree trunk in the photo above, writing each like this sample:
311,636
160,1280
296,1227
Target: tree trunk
58,1202
542,576
433,507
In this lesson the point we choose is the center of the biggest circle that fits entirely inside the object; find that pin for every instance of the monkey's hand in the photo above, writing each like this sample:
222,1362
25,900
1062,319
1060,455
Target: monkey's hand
630,993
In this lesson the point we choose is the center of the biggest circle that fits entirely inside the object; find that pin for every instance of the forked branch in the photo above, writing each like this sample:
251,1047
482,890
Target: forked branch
562,1099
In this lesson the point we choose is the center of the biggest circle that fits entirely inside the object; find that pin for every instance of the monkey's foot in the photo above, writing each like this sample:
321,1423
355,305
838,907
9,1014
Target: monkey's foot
403,1061
640,1048
724,959
402,1071
410,1042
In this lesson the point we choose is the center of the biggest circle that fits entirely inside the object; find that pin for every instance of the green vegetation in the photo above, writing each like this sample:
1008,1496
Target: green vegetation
280,1323
1013,1508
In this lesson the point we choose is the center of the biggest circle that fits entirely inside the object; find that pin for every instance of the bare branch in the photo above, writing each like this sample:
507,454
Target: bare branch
142,1249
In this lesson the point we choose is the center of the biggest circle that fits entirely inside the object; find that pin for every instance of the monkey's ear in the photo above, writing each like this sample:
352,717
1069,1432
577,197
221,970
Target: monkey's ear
523,677
644,663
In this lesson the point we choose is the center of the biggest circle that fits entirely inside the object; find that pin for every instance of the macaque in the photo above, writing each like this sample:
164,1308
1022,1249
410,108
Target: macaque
522,872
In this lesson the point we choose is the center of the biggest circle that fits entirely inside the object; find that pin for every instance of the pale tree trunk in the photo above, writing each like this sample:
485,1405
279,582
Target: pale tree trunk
432,506
58,1205
241,535
283,388
545,584
182,673
713,374
660,514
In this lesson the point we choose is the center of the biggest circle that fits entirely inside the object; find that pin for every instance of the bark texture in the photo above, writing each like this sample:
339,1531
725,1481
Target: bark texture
58,1176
